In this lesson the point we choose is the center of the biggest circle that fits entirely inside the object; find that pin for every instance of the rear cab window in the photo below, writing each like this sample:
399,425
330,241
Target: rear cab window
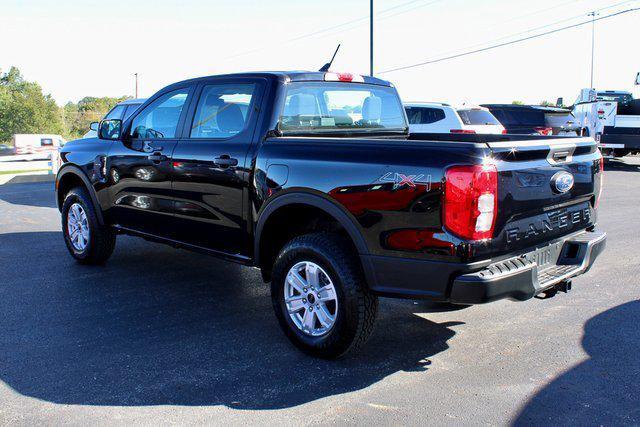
327,107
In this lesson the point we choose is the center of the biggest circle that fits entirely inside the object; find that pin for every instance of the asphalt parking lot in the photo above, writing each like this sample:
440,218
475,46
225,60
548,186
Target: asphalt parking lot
166,336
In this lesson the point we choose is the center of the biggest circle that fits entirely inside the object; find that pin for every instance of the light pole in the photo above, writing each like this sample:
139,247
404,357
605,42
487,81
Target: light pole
136,74
593,41
371,38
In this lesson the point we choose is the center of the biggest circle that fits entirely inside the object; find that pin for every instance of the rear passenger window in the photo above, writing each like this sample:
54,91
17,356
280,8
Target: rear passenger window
222,110
423,116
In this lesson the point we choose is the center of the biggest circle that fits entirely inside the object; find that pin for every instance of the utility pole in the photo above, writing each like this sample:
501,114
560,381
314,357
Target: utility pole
593,41
136,74
371,38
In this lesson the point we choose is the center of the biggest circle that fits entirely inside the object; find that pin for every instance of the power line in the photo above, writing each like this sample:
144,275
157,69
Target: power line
526,15
337,26
380,19
508,43
530,30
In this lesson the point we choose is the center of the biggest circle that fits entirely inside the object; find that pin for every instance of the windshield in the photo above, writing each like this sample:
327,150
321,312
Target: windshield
322,107
477,116
519,117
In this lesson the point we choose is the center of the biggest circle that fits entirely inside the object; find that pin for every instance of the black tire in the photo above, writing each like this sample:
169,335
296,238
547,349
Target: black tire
356,308
102,239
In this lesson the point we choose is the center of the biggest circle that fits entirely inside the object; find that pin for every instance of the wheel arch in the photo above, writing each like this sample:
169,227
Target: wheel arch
71,176
308,200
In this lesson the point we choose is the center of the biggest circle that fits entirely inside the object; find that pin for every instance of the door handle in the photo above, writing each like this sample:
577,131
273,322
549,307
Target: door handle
148,148
157,157
225,161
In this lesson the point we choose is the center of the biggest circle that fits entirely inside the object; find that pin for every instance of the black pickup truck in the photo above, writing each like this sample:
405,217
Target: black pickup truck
314,178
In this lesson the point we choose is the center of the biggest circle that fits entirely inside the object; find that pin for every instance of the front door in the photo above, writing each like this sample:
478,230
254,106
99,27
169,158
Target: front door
210,165
139,167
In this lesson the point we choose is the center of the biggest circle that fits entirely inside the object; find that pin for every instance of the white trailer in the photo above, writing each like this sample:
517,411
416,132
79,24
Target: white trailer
37,146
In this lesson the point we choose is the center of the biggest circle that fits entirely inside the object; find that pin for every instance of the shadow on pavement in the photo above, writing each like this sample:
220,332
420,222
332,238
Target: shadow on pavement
157,326
605,389
620,166
38,194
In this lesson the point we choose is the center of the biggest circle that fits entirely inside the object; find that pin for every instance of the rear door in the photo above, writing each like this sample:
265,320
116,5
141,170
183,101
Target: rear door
211,166
547,188
139,168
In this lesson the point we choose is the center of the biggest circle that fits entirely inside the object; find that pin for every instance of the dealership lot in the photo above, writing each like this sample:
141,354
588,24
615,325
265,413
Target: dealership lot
160,335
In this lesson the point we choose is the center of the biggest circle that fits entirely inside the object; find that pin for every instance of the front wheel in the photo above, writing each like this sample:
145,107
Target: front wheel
319,296
88,241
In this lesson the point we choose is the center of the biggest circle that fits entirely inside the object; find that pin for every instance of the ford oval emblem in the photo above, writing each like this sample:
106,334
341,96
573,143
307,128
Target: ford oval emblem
562,182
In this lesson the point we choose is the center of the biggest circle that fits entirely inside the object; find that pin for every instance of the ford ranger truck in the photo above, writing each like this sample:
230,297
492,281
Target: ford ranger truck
314,178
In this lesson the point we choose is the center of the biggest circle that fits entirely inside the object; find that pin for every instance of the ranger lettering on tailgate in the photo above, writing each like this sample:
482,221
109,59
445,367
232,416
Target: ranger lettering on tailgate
553,222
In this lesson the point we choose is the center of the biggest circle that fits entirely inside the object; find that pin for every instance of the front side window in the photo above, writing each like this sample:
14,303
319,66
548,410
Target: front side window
322,107
131,108
115,113
223,110
160,119
424,116
477,116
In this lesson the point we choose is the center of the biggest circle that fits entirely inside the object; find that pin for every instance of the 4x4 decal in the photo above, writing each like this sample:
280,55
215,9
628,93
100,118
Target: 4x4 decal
401,180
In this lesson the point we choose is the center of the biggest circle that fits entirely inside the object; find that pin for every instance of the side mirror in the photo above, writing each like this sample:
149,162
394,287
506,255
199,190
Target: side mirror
559,102
94,126
110,129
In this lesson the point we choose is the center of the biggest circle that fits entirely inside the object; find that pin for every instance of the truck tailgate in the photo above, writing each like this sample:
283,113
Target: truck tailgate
547,188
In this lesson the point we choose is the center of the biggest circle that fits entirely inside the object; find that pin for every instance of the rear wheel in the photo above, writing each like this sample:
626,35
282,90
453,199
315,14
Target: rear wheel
319,296
87,241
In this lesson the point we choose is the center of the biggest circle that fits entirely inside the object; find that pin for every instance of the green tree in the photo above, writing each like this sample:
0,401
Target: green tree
78,116
517,102
25,109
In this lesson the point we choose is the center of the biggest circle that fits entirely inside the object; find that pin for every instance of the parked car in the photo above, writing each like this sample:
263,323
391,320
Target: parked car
122,111
431,117
37,145
6,150
560,120
612,118
314,178
520,119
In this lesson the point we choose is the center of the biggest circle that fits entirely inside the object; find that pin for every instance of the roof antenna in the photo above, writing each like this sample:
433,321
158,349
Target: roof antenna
326,66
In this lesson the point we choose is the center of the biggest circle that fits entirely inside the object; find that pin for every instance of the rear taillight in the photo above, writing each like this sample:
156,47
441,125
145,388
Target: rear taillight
471,201
543,130
462,131
504,131
601,181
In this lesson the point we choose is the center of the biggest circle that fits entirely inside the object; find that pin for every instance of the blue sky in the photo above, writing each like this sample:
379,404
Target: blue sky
77,48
